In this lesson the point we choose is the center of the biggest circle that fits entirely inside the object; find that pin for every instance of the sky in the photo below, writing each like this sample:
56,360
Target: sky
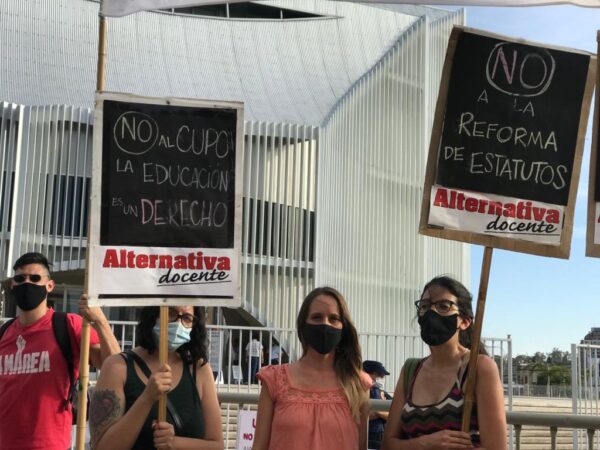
543,302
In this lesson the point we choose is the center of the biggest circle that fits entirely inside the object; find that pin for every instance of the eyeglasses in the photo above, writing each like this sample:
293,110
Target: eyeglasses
33,277
441,306
187,320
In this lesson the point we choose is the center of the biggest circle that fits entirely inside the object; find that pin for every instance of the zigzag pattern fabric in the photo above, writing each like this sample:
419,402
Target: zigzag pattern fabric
445,415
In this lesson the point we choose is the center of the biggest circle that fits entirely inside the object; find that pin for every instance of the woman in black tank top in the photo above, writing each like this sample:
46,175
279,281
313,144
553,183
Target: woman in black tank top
123,412
429,400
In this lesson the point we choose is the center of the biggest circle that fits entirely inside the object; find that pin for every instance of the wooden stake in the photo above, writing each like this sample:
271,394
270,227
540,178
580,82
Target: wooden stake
163,354
84,352
84,375
476,339
102,34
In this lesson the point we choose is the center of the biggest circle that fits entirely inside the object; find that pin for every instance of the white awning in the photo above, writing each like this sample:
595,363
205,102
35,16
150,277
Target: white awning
119,8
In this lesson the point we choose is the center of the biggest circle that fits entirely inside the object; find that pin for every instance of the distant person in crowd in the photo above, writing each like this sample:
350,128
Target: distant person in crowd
254,352
234,352
377,419
320,401
36,379
275,354
123,411
426,411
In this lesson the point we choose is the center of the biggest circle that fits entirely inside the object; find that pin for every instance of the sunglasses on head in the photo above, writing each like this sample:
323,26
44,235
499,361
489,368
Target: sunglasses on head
33,277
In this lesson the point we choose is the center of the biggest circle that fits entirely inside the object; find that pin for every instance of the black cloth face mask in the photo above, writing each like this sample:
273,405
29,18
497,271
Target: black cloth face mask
323,338
29,296
436,329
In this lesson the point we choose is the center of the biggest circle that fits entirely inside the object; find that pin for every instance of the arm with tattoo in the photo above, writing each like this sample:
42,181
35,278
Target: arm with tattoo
111,427
105,409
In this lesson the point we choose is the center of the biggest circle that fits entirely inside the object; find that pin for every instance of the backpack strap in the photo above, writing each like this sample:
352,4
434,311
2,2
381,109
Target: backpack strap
133,356
5,326
409,368
61,333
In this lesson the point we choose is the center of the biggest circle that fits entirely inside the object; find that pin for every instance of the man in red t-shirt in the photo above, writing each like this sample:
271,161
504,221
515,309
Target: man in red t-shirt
34,379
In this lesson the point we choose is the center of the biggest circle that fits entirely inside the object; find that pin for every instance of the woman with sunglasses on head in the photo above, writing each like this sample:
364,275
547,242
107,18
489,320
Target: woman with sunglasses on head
426,411
320,401
123,412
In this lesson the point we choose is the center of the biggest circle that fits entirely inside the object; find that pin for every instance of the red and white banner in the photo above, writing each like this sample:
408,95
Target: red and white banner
496,215
158,271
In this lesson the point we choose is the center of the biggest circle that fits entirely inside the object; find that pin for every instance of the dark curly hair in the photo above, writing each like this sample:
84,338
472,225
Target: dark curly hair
190,352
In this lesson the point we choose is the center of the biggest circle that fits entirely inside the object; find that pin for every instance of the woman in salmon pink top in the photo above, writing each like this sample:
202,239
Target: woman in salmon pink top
319,402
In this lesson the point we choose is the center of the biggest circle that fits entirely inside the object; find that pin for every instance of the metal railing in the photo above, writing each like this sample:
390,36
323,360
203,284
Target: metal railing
585,381
552,422
233,374
229,358
542,391
578,423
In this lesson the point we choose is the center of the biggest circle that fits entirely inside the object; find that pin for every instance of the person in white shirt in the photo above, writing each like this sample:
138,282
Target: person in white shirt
254,352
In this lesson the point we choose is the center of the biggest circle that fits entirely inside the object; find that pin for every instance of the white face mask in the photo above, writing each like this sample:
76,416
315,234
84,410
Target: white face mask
178,335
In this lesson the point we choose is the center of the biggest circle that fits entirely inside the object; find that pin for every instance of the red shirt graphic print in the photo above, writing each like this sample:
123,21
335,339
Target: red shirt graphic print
34,382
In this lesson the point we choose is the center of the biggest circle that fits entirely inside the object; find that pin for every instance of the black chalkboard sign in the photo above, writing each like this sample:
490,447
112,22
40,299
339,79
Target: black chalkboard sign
166,202
506,143
592,247
596,143
168,175
512,119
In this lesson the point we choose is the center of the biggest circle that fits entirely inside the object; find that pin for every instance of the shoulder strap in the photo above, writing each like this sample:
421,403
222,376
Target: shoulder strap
61,333
5,326
177,423
410,365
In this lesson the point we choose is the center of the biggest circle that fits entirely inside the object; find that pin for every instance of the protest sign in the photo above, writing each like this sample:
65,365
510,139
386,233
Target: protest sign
507,142
166,202
593,219
246,428
505,153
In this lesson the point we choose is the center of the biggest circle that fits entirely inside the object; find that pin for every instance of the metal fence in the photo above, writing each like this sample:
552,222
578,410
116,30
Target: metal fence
544,391
229,352
585,380
229,348
229,357
234,401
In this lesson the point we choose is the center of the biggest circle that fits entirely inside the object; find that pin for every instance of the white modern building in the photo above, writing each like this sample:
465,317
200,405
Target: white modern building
339,99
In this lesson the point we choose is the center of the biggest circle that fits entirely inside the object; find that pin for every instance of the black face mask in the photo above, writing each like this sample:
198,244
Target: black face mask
323,338
436,329
29,296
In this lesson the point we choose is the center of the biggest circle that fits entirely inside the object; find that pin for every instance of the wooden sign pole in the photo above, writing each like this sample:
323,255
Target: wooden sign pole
84,352
476,339
163,354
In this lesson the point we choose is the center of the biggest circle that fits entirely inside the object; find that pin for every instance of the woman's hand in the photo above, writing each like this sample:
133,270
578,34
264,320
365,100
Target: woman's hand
158,383
447,440
164,435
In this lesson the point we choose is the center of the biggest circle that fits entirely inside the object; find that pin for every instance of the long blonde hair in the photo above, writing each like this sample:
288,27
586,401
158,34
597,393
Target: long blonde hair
348,360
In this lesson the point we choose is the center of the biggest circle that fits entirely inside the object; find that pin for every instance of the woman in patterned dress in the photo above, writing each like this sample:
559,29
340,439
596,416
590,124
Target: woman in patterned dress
426,412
